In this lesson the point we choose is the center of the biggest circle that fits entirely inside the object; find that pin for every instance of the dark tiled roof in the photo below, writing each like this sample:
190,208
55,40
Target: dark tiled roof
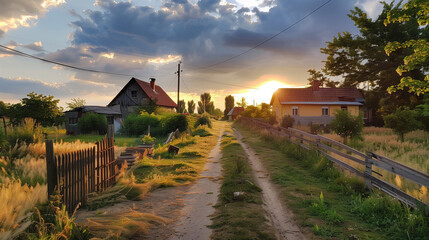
159,94
321,95
235,111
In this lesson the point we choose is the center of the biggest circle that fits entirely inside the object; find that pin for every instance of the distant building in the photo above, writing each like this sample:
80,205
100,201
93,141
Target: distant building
134,94
72,117
235,113
138,93
315,104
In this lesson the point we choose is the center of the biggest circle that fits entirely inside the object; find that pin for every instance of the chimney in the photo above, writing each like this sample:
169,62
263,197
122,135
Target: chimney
316,85
152,83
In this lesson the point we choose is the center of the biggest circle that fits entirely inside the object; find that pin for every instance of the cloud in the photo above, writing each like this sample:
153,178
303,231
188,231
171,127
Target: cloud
16,13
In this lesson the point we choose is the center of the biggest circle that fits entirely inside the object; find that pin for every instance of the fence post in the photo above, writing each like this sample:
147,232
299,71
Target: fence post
368,172
51,167
110,131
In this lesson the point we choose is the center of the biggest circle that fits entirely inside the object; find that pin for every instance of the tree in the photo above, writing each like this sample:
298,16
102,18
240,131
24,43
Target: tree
191,106
346,125
229,104
75,103
412,11
217,112
182,106
43,109
362,62
205,105
242,103
319,76
401,121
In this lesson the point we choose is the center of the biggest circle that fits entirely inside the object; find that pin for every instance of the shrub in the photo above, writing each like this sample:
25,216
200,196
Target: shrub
93,122
401,121
28,132
272,120
287,121
147,139
347,125
203,120
174,121
137,124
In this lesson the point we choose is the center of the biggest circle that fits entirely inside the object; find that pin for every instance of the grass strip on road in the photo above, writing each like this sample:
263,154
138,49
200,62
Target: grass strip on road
242,216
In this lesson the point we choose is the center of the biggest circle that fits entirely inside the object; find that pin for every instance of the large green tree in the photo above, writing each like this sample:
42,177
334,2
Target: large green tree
362,62
182,106
75,102
229,104
44,109
323,80
205,105
412,11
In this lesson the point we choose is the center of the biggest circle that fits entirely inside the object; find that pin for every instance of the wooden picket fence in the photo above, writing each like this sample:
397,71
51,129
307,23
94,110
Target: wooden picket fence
76,174
344,155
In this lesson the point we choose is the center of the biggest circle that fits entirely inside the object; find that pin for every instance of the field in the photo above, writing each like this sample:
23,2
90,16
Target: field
413,152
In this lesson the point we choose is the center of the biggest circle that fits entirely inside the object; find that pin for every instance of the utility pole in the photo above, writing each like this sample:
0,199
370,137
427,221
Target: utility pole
178,85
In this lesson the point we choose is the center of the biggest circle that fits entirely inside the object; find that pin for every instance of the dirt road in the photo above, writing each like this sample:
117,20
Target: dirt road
280,217
199,200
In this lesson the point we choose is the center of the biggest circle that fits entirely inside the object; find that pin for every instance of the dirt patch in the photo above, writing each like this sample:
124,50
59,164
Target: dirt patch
279,215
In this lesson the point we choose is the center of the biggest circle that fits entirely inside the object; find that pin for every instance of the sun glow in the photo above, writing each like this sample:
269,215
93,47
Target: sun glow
261,94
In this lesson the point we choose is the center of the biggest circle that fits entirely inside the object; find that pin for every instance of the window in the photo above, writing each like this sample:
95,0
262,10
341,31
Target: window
294,111
134,94
344,107
72,120
325,111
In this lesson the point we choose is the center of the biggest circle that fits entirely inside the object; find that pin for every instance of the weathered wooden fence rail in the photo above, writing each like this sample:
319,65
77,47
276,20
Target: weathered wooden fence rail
333,150
79,173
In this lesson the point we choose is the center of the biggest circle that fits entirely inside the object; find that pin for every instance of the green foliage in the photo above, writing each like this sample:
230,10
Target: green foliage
191,106
323,80
75,102
242,103
3,109
412,11
44,109
262,111
346,125
205,105
229,104
27,131
172,122
150,108
287,121
423,113
137,124
403,120
93,122
361,59
147,139
203,120
201,132
390,215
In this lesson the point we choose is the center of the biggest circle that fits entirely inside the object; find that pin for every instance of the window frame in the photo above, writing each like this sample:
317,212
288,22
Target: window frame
295,111
325,111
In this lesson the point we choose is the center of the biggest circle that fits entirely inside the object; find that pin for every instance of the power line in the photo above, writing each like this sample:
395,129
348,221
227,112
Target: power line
23,54
268,39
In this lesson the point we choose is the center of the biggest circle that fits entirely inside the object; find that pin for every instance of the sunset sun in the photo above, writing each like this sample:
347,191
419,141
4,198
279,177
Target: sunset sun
262,93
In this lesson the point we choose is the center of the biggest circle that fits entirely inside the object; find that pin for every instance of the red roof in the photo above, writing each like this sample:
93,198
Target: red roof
308,95
162,99
235,111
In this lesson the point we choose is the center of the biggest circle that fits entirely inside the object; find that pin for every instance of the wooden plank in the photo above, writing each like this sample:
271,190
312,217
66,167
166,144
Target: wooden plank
326,147
343,146
394,192
51,167
397,168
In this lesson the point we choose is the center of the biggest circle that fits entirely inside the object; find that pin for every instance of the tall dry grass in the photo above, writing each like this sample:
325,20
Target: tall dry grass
16,201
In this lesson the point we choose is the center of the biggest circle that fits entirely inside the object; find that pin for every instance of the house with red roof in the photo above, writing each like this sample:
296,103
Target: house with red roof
234,113
138,93
315,104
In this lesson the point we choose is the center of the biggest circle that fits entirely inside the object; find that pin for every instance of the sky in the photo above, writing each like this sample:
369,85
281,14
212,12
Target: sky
148,38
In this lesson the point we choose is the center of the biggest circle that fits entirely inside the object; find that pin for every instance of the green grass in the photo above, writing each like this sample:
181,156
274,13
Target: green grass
302,176
238,217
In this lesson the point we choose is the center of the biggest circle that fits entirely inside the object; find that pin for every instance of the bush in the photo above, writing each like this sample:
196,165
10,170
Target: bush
287,121
28,132
93,122
172,122
203,120
403,120
347,125
137,124
272,120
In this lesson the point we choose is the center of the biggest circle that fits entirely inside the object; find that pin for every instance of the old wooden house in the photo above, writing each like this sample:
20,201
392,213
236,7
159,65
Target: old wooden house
138,93
73,116
315,104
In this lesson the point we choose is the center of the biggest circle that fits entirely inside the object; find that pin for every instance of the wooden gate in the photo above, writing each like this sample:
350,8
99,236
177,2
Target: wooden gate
76,174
